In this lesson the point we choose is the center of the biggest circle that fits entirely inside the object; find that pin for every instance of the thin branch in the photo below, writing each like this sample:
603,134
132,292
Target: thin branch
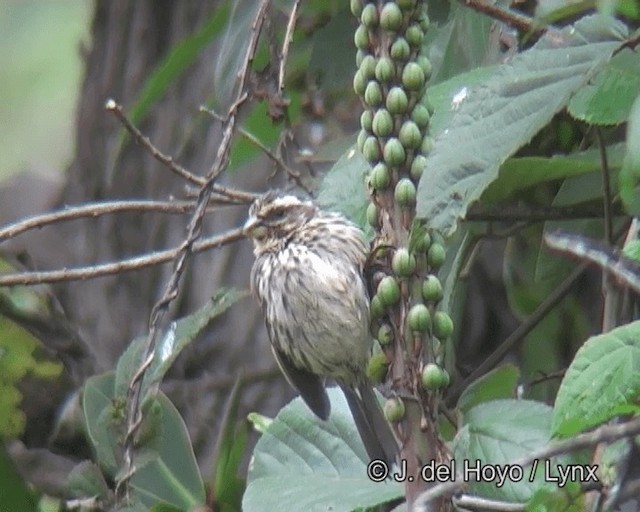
606,189
468,502
106,269
518,21
93,210
603,434
295,175
518,335
288,38
513,213
194,229
167,161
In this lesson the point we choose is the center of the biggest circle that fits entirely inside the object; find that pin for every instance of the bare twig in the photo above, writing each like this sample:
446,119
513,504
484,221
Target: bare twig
106,269
93,210
133,410
515,20
117,110
606,189
512,213
468,502
519,333
603,434
288,38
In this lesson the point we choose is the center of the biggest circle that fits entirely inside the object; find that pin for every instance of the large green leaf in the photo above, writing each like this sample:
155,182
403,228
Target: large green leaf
521,173
167,470
629,177
608,98
499,433
603,381
169,346
493,121
500,382
302,463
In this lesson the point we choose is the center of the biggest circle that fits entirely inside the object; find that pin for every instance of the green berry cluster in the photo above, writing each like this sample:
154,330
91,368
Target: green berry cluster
391,81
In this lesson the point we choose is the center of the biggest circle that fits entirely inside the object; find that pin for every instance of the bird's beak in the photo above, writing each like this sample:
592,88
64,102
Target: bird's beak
253,228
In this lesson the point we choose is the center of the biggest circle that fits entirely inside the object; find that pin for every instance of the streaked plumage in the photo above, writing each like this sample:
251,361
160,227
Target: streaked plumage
308,279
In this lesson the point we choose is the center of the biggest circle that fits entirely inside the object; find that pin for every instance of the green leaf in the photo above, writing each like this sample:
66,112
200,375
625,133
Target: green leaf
499,433
342,189
86,480
15,493
518,174
168,347
170,472
501,382
494,120
260,422
608,98
302,463
232,441
629,177
569,498
177,61
103,420
602,381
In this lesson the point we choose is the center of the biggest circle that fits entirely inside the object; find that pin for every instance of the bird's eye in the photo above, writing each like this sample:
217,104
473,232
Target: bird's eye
278,214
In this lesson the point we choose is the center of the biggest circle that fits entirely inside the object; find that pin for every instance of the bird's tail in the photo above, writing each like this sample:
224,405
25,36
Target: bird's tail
374,430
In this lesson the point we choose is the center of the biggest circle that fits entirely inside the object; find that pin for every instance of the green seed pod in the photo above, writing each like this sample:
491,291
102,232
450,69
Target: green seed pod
427,145
377,307
394,409
417,167
369,16
432,289
425,101
394,154
361,37
368,67
382,124
405,193
385,70
391,17
425,65
356,8
385,335
420,116
380,176
423,243
360,55
388,291
432,377
445,378
424,21
372,215
359,83
412,76
366,120
414,35
442,325
410,135
362,136
371,149
397,101
377,367
400,50
403,263
406,5
436,255
373,94
419,318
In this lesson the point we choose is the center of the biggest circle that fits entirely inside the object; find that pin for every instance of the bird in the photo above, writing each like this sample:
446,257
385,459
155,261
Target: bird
308,279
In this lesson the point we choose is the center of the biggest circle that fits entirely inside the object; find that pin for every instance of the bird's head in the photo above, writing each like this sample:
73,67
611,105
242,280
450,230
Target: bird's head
274,219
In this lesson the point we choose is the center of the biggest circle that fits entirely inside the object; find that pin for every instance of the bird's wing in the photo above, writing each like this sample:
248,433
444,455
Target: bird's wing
309,385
